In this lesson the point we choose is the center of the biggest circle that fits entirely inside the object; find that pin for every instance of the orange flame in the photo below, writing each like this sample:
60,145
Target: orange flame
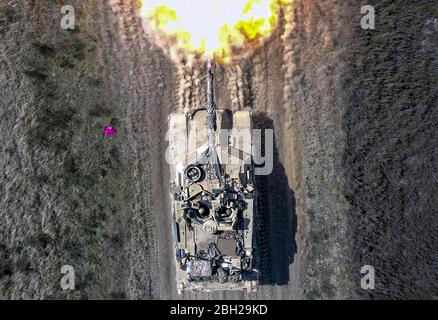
210,28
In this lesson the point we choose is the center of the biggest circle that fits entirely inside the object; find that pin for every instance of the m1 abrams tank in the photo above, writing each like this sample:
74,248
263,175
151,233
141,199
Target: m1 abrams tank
213,197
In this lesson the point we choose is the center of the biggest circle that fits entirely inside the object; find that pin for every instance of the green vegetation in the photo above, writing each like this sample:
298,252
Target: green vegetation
8,14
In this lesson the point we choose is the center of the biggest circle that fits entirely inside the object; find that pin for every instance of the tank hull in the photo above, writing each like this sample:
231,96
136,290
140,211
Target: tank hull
212,196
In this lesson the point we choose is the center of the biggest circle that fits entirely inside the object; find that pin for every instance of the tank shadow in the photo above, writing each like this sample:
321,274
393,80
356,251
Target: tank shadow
276,217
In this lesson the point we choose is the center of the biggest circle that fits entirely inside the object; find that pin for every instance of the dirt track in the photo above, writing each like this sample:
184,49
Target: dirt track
68,196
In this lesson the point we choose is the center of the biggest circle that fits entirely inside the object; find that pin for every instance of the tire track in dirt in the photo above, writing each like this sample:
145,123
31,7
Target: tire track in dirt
163,101
235,86
139,283
184,87
142,77
158,220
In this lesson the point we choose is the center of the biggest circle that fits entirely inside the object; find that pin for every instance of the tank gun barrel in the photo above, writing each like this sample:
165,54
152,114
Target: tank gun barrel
211,107
211,126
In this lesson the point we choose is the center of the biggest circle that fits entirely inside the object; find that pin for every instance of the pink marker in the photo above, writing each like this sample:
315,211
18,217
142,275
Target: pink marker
109,131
